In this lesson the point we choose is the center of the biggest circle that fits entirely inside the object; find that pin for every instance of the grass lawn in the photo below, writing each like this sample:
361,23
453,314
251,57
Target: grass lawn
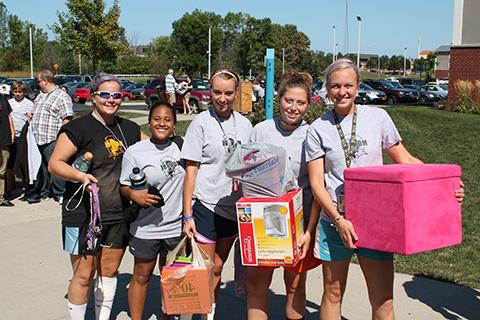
181,127
437,136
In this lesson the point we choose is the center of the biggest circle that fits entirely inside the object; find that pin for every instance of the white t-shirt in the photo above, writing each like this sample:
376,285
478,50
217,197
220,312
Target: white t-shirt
19,113
293,142
208,140
375,131
161,164
170,84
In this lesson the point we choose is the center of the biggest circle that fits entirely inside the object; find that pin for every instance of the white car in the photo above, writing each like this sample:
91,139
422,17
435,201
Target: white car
392,79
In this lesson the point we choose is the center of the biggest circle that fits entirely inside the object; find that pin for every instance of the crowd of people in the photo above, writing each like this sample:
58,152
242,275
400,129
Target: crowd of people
187,193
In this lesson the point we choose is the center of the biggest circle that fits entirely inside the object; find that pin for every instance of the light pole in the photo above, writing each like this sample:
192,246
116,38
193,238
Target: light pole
334,46
336,51
209,50
31,51
404,61
283,60
358,47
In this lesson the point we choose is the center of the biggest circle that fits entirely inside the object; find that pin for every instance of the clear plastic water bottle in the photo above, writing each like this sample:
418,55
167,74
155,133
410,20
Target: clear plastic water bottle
138,179
83,162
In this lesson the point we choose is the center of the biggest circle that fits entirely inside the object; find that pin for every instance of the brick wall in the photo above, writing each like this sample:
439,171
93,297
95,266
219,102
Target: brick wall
439,74
464,65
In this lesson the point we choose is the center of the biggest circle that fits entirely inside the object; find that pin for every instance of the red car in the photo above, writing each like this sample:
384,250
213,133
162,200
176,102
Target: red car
81,95
127,96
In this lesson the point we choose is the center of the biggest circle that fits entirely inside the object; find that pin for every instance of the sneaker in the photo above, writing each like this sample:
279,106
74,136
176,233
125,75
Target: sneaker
58,199
6,203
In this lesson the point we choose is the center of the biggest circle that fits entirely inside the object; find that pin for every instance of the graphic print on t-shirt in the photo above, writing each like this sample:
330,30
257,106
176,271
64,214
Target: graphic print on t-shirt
169,166
229,143
113,146
359,149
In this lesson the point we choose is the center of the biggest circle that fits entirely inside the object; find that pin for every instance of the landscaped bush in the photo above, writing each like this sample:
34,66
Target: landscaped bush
468,96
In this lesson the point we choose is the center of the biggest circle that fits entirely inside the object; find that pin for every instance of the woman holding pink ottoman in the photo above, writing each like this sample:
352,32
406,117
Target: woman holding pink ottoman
350,136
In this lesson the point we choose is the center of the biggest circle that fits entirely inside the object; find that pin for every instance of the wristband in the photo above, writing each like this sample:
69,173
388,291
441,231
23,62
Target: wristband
338,219
185,218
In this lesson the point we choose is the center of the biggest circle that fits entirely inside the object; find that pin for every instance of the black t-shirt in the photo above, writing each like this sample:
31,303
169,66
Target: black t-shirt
5,130
88,134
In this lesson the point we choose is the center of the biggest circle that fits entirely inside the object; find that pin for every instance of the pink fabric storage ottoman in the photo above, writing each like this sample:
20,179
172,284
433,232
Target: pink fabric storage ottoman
404,208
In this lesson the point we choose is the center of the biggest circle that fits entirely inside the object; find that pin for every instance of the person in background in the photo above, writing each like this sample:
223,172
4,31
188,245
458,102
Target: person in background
6,138
187,92
158,227
53,109
22,109
209,195
288,131
106,136
170,87
350,136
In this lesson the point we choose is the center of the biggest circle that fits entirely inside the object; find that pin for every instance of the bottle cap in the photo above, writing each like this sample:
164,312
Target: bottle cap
88,156
136,170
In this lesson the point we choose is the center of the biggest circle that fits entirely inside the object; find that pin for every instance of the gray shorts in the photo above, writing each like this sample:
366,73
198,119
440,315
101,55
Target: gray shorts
149,249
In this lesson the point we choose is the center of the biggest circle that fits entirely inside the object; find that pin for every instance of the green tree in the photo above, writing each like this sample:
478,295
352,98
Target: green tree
296,45
232,26
257,36
89,29
190,41
161,55
3,26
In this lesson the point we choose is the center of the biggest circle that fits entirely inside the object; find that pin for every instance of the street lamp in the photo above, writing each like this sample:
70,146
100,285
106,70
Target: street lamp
283,60
334,46
404,61
336,51
358,47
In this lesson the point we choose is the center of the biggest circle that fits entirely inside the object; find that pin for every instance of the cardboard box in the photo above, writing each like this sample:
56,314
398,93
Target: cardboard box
243,100
404,208
270,228
186,290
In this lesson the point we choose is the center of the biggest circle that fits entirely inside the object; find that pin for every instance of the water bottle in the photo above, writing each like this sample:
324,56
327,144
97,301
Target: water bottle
138,179
83,162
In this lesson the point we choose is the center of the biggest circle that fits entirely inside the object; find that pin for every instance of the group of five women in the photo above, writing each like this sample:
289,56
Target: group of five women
196,193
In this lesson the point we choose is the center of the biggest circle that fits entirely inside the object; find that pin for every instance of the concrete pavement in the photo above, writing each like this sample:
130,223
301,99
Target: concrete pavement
36,273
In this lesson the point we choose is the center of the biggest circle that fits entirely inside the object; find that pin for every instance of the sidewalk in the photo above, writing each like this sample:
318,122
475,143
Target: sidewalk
36,274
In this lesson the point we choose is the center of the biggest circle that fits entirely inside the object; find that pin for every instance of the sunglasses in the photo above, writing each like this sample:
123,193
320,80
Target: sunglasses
106,95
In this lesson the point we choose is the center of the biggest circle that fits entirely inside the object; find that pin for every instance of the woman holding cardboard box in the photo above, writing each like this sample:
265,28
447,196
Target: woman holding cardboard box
289,132
350,136
209,195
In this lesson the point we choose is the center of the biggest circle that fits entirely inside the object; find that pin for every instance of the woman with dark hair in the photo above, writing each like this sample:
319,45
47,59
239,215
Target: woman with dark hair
209,195
288,131
106,136
158,227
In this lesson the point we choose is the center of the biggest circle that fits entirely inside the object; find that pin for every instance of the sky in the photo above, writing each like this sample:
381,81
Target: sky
387,27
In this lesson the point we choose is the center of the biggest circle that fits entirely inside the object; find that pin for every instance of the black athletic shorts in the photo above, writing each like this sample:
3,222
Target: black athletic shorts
113,236
210,226
149,249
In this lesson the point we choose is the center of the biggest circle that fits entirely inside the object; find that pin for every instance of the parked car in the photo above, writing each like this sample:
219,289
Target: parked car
373,96
127,96
425,97
80,92
412,81
437,89
59,80
394,91
32,89
136,91
199,99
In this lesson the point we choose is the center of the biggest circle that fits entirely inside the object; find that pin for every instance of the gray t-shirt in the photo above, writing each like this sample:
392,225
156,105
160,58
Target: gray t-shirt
375,131
161,164
293,142
208,141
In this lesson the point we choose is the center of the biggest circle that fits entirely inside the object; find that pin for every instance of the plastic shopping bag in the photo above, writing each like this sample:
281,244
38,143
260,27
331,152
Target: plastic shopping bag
187,281
263,169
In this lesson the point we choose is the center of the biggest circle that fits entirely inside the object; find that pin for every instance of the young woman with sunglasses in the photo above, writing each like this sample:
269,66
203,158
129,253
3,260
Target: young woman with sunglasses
211,136
106,136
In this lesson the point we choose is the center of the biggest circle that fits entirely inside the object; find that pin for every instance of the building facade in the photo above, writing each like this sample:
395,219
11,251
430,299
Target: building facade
465,49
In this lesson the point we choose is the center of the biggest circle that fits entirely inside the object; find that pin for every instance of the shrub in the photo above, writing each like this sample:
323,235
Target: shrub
468,96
